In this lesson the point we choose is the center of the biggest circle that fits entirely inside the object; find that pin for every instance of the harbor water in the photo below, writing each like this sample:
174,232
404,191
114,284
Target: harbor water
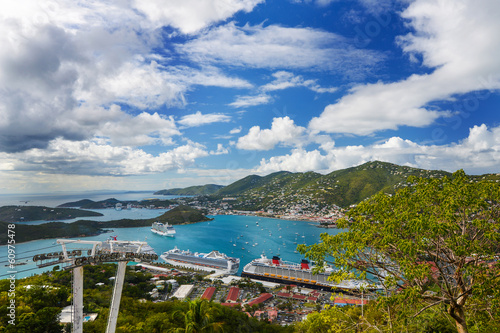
245,237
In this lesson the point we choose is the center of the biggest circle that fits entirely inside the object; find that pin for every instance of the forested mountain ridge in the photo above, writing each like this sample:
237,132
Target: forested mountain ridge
191,190
342,187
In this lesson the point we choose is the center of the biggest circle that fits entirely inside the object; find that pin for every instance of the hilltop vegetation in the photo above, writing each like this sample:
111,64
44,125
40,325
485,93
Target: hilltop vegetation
191,190
35,213
342,187
182,214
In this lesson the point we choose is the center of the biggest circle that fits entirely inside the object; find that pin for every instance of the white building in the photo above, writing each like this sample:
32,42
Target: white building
183,291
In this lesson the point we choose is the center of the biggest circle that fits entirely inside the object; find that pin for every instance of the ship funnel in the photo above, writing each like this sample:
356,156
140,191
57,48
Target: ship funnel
304,264
276,260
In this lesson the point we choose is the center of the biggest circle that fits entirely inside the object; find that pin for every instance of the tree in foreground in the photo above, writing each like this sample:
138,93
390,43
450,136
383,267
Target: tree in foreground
434,244
199,317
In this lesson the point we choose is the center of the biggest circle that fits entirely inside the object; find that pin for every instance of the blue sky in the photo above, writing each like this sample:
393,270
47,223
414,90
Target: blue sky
146,95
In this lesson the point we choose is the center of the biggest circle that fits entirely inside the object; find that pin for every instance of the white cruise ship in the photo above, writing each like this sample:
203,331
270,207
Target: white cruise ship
277,270
163,229
204,261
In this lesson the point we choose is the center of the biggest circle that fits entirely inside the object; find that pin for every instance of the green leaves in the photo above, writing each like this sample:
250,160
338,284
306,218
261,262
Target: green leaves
434,233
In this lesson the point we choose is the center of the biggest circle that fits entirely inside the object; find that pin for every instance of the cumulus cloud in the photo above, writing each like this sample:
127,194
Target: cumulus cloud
59,58
199,119
93,158
283,131
446,35
143,129
221,150
190,16
478,153
275,46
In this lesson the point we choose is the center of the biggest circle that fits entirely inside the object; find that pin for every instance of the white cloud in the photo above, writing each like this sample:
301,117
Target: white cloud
150,85
221,150
275,46
245,101
283,130
298,160
91,158
59,58
190,16
143,129
199,119
478,153
446,35
284,80
235,130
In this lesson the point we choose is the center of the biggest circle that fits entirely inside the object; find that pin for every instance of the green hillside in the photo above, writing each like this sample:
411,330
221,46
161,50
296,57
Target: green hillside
191,190
241,186
342,187
350,186
35,213
182,214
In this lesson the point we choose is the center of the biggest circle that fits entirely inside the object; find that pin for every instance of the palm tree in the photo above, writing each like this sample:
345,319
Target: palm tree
198,318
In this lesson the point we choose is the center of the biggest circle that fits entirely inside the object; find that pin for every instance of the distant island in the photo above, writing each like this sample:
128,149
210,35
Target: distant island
36,213
112,202
83,228
191,190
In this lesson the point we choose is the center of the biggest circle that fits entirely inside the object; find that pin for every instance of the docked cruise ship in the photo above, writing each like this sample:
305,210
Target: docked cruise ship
205,261
163,229
277,270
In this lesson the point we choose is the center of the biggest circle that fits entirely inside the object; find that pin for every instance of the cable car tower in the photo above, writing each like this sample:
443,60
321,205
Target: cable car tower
100,251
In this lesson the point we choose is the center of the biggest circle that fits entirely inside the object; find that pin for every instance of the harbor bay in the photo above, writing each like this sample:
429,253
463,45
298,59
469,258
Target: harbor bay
245,237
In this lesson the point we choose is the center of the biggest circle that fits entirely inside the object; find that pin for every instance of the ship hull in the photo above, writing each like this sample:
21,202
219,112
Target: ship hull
226,265
163,233
287,273
309,285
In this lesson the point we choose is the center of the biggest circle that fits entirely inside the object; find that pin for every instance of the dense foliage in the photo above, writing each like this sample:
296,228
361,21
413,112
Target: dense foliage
182,214
434,244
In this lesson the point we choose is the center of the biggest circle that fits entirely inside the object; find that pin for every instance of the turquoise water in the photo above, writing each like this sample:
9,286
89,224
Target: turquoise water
219,234
111,214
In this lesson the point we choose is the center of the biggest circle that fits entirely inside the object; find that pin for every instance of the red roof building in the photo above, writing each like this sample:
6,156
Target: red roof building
284,295
233,294
299,297
209,293
231,305
261,299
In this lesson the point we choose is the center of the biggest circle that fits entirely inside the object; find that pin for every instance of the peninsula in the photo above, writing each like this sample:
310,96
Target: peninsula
83,228
37,213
